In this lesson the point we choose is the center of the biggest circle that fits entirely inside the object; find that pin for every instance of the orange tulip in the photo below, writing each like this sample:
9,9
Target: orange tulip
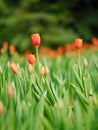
12,49
5,44
95,41
10,91
35,39
1,107
31,59
28,52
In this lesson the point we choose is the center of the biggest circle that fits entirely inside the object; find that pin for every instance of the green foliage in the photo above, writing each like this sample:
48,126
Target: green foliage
57,21
64,99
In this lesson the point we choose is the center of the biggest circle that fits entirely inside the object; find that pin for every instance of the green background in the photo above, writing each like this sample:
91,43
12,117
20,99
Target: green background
58,21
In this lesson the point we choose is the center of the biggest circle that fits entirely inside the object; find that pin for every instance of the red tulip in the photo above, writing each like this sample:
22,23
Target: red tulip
95,41
31,59
14,68
35,39
78,43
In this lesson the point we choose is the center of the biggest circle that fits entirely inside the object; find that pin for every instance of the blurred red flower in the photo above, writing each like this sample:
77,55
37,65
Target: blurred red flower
12,49
28,52
35,39
31,59
95,41
78,43
5,44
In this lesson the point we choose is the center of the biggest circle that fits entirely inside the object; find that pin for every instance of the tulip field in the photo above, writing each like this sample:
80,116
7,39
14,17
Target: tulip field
38,92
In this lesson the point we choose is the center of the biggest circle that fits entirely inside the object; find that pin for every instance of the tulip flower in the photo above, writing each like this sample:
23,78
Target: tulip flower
10,91
46,70
12,49
31,59
35,39
78,43
42,71
14,68
95,41
85,62
30,69
5,44
1,107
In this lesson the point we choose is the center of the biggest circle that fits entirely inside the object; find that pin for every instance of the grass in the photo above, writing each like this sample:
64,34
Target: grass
64,99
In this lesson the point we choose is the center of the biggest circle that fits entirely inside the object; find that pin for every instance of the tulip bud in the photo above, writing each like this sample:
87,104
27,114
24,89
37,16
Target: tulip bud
31,59
12,49
1,107
1,70
10,91
30,69
94,100
78,43
46,70
95,41
5,44
85,62
2,50
35,39
14,68
42,71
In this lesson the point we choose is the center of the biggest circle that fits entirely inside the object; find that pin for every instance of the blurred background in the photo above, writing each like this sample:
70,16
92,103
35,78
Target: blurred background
58,21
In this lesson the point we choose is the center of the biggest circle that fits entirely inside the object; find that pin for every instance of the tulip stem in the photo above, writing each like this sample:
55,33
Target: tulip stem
37,56
21,78
0,122
79,63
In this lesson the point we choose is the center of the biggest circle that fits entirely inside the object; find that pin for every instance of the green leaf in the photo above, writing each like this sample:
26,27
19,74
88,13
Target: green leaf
80,94
38,114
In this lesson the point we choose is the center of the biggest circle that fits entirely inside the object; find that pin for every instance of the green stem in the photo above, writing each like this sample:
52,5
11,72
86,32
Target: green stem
79,63
0,82
0,122
37,58
31,85
21,78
